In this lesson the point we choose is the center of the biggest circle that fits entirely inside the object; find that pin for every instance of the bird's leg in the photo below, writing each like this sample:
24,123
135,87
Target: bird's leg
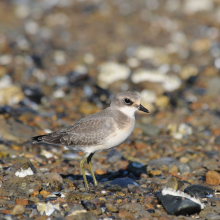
83,171
90,167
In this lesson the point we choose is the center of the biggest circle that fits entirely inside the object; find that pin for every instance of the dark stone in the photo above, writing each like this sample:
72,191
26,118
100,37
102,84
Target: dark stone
198,191
151,210
88,205
33,92
123,182
217,140
136,168
177,205
76,77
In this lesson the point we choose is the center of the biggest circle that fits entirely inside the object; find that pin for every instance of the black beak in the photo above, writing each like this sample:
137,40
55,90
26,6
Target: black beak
141,108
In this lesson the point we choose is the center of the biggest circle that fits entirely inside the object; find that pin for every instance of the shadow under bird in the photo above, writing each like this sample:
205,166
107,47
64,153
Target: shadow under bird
100,131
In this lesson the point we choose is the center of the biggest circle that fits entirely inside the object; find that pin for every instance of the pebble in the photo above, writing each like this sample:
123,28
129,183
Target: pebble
172,183
200,191
108,73
176,203
112,208
11,95
123,182
88,205
136,168
125,215
47,208
213,178
18,210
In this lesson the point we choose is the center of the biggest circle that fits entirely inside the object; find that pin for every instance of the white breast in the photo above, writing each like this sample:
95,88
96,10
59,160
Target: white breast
113,140
119,136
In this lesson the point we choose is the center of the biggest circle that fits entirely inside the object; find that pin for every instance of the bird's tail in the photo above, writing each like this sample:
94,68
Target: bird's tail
38,139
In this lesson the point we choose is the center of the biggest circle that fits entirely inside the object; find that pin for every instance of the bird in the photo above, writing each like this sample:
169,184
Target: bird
100,131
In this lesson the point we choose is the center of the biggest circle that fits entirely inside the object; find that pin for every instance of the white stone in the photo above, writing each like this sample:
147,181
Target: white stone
5,59
133,62
5,82
171,83
22,11
148,96
89,58
59,93
31,27
47,208
110,72
22,173
47,154
142,75
60,57
193,6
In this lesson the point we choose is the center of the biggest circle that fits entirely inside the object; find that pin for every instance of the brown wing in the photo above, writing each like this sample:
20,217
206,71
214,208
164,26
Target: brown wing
86,132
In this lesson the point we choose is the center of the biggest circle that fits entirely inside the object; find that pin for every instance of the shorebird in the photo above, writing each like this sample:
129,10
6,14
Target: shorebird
100,131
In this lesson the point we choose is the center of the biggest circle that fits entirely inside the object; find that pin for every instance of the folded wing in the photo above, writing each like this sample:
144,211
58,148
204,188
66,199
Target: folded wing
89,132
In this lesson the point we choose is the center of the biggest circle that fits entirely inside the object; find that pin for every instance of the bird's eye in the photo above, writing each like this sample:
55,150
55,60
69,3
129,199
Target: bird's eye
128,101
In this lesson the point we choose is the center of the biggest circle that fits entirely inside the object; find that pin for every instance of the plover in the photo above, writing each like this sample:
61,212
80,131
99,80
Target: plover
100,131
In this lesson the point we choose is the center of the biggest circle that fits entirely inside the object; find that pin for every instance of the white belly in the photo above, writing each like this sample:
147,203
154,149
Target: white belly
118,137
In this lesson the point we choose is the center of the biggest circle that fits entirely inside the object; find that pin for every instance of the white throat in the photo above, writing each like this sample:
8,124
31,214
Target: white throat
128,110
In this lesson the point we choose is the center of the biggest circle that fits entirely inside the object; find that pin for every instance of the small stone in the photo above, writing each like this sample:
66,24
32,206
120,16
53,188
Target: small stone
217,140
213,178
139,190
131,207
188,71
54,176
108,73
162,102
155,172
112,208
88,205
45,193
200,191
84,216
76,209
125,215
11,95
47,208
18,210
142,215
160,162
123,182
173,169
136,168
22,202
172,183
97,211
212,216
184,167
100,172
